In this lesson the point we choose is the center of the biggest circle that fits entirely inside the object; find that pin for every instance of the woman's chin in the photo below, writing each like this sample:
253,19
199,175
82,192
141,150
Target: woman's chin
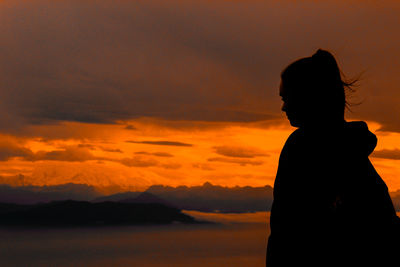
294,123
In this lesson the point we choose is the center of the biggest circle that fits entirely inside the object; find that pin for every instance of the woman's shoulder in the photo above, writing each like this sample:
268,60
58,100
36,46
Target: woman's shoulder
293,143
295,137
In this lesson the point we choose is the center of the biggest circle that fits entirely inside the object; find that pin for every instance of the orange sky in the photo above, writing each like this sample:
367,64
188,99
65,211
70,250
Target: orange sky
126,94
138,153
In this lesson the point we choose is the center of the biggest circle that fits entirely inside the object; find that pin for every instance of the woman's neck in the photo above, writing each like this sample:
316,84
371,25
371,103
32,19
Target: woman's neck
323,124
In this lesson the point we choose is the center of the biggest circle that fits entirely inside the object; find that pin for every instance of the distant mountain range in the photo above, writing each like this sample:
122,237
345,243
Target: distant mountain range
213,198
207,198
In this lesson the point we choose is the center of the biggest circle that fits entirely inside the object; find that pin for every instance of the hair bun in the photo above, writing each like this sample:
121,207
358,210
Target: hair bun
323,55
325,60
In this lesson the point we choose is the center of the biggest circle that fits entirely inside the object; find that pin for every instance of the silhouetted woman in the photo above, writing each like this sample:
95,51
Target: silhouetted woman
331,208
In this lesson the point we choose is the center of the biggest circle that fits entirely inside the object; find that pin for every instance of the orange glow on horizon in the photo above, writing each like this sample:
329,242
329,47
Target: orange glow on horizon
140,153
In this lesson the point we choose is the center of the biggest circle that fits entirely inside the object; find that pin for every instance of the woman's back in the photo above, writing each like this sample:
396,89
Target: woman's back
330,206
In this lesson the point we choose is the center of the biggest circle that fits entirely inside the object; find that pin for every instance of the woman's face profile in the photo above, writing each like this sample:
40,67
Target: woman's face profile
291,107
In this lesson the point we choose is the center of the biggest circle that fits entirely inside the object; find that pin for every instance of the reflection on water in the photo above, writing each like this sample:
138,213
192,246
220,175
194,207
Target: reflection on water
228,244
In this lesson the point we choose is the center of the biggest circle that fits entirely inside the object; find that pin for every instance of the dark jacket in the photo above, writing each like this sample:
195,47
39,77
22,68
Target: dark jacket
331,208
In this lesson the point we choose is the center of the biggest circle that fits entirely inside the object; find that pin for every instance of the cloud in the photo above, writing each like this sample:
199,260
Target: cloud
106,149
157,154
138,162
160,143
10,150
203,166
239,152
130,127
208,61
86,72
69,153
171,166
241,162
387,154
114,150
90,146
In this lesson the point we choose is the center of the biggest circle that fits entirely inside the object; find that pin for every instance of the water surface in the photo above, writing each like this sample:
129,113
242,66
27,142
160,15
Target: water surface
239,240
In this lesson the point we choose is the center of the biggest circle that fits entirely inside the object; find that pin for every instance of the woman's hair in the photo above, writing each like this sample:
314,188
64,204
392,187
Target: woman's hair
317,82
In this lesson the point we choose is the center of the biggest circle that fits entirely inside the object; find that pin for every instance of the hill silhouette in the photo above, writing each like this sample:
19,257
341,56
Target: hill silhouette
83,213
118,196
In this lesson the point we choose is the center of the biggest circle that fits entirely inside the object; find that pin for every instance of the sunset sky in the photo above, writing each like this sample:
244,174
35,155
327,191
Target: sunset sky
126,94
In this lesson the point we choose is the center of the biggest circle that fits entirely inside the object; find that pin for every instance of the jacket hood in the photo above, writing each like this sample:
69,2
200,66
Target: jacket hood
358,138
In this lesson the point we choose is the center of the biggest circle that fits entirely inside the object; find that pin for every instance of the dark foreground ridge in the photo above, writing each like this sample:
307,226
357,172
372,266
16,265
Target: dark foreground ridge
83,213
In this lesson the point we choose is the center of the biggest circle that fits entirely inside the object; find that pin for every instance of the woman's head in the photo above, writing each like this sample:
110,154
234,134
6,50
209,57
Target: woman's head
313,91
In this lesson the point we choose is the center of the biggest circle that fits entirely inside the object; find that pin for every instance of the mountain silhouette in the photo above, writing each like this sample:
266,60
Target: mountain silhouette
207,197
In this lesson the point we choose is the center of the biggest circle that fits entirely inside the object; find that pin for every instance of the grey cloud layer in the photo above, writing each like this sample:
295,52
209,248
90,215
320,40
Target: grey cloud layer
109,60
70,153
138,161
10,150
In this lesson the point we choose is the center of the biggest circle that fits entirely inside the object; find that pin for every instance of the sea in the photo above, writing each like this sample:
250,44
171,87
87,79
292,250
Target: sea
230,240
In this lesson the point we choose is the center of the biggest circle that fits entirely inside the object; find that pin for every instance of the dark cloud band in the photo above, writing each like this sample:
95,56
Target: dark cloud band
160,143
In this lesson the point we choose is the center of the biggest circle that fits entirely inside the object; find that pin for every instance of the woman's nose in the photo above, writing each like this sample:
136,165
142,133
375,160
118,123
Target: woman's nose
284,107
